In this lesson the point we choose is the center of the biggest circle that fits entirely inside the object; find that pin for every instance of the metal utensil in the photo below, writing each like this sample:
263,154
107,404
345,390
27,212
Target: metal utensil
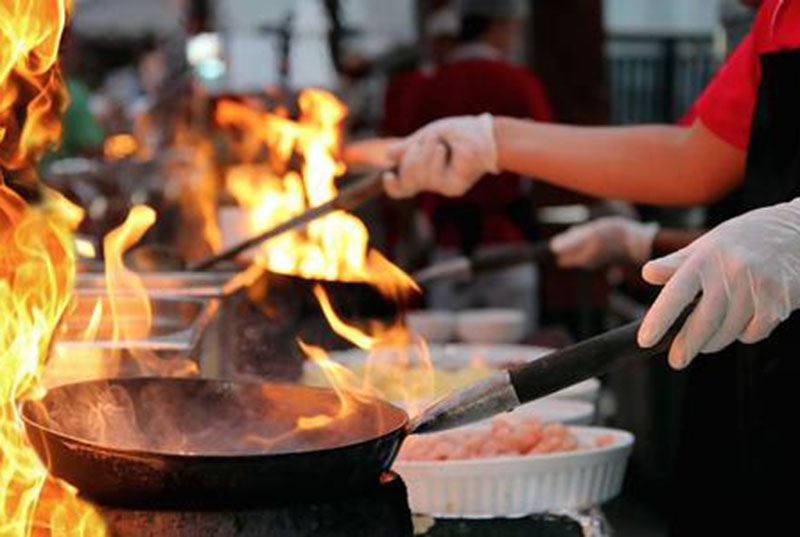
506,390
348,199
463,268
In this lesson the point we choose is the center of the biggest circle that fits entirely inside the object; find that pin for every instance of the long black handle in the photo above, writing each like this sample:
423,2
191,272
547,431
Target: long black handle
587,359
348,199
538,252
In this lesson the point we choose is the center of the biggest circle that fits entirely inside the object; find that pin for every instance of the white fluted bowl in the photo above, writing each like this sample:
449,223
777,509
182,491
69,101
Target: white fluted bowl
519,486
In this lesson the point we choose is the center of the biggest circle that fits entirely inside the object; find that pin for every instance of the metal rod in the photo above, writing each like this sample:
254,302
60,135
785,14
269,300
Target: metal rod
348,199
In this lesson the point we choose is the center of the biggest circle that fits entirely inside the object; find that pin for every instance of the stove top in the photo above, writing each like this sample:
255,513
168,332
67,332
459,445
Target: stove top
380,512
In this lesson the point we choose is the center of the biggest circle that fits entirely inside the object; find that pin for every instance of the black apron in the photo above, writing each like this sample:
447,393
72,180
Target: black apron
739,463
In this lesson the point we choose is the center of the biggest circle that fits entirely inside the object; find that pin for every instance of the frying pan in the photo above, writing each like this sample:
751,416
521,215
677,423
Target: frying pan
190,442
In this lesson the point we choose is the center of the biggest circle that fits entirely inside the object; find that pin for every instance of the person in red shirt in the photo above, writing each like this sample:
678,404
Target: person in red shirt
737,469
476,78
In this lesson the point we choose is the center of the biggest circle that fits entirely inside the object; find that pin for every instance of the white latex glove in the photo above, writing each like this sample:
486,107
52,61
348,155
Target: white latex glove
748,270
423,157
603,241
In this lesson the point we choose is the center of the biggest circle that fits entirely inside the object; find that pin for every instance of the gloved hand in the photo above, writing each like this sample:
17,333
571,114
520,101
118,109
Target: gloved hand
748,271
446,157
603,241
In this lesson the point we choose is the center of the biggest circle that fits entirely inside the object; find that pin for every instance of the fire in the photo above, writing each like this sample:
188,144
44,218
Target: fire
398,366
37,265
299,172
335,247
37,268
32,95
343,382
195,170
85,249
125,288
120,146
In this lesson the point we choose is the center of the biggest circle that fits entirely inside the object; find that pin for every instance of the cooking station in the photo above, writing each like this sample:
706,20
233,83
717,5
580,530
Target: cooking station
363,509
382,511
218,319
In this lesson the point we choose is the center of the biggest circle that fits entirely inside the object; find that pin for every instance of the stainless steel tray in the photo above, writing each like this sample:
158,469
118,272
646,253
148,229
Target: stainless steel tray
168,285
177,324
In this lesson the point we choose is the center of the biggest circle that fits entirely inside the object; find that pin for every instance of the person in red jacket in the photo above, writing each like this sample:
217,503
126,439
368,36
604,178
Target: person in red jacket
477,77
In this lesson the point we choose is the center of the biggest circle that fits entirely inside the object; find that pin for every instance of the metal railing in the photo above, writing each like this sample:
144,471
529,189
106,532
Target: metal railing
656,79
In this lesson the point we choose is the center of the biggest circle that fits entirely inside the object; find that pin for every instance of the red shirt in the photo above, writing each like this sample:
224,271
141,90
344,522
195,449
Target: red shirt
728,104
476,85
401,102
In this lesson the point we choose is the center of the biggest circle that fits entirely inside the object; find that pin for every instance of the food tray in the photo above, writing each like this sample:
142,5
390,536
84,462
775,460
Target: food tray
176,324
513,487
169,285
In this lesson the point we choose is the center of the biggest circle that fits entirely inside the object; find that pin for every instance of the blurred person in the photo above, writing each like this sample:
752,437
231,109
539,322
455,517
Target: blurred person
737,456
477,77
405,89
81,133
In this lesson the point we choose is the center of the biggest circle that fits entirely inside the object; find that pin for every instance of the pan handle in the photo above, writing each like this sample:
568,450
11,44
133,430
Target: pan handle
591,358
506,390
538,252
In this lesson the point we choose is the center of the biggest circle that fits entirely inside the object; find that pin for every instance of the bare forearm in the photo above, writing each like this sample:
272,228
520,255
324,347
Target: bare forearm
662,165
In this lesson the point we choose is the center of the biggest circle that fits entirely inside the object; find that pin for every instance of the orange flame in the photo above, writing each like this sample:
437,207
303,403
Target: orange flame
335,247
131,308
120,146
289,167
125,287
37,268
37,265
195,170
341,380
32,95
398,366
85,249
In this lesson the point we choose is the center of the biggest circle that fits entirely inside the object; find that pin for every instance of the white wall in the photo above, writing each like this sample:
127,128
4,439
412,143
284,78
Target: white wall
661,16
382,23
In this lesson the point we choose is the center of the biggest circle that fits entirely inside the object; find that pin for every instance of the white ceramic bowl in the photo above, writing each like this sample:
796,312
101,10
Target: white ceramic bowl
568,412
491,326
433,326
519,486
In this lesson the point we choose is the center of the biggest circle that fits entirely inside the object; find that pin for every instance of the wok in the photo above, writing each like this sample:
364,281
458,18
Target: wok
194,443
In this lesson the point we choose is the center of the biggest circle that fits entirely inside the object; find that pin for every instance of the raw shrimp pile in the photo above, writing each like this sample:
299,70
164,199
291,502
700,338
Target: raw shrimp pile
506,437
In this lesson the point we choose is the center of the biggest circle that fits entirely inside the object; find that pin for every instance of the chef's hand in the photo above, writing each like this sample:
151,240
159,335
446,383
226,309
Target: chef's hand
603,241
369,153
748,271
446,157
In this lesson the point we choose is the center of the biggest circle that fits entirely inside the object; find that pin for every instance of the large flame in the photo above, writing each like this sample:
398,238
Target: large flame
32,95
335,247
299,172
398,365
37,267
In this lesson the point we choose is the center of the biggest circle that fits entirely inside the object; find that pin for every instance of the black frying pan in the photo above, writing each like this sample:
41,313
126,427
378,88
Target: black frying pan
188,446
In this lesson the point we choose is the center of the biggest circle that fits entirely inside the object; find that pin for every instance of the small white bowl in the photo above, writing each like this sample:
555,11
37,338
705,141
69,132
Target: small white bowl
433,326
491,326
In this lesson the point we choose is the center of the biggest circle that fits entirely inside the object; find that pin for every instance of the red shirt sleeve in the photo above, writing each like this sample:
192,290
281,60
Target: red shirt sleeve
726,107
539,104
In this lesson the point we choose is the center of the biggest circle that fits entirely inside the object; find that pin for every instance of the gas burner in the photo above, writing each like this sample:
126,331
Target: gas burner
382,511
